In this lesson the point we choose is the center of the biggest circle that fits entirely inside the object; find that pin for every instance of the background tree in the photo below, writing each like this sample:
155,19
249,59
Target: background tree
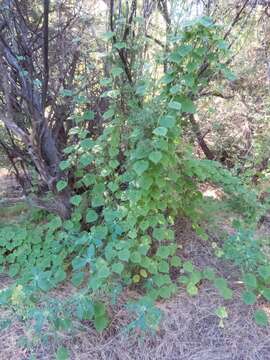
39,59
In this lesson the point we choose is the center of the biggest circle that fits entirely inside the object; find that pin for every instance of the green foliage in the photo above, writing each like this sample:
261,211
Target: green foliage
261,318
249,298
62,353
245,250
140,171
61,185
37,254
131,182
222,314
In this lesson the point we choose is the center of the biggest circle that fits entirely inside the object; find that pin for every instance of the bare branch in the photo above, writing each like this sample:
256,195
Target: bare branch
200,138
160,43
45,53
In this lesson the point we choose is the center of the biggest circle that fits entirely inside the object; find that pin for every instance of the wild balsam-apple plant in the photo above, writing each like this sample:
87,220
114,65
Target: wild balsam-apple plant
131,183
139,175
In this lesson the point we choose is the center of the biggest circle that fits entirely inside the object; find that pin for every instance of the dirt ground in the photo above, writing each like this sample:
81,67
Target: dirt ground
189,329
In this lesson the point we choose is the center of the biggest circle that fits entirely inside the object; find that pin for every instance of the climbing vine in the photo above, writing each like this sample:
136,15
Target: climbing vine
131,182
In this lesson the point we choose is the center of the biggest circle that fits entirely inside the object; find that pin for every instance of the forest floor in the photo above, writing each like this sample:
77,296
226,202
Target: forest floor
189,330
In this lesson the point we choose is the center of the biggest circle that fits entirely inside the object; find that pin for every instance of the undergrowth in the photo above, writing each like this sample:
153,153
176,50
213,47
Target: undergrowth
131,184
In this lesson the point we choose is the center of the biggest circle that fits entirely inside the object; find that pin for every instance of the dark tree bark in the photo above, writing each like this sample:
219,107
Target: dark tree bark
200,139
27,93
